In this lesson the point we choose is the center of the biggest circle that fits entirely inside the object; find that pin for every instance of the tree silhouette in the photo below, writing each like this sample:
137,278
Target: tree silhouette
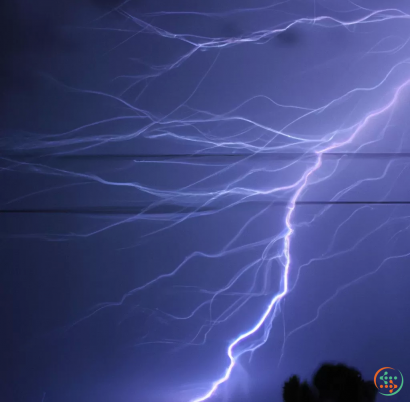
331,383
294,391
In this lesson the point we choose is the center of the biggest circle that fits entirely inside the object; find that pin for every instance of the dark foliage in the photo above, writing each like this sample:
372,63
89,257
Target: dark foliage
331,383
294,391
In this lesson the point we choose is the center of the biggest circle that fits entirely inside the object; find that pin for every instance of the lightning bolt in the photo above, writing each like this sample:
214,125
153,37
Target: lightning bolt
301,186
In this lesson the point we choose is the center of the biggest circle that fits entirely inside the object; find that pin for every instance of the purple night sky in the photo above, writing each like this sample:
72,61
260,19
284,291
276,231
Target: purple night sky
200,199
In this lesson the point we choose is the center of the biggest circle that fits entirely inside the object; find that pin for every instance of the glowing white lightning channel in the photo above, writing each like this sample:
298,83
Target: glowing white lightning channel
303,183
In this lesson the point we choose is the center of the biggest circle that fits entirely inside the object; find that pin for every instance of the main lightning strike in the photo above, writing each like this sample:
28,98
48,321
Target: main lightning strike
303,183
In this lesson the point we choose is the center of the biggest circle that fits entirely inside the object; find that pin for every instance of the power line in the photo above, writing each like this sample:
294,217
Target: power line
171,209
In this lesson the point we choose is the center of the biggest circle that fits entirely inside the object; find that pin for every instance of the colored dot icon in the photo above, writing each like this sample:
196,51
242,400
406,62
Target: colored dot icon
386,381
